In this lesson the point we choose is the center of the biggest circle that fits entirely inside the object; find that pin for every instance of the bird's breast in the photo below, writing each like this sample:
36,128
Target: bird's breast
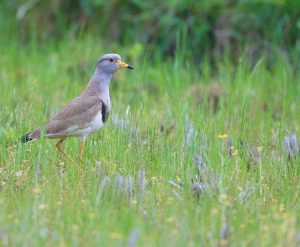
97,122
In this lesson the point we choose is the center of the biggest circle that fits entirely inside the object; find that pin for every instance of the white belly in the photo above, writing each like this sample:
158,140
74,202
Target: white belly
91,127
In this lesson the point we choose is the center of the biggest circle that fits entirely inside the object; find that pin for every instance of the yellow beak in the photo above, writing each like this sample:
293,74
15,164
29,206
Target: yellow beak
124,65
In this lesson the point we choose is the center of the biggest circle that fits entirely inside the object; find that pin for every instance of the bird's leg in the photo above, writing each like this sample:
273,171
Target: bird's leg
80,157
61,151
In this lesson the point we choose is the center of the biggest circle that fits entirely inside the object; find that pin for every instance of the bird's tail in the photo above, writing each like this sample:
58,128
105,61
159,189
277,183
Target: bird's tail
32,136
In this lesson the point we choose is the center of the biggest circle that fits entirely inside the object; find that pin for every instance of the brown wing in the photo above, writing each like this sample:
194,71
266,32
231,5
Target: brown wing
78,113
76,107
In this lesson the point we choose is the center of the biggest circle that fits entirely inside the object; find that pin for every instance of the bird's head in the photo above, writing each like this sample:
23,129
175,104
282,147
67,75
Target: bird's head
110,63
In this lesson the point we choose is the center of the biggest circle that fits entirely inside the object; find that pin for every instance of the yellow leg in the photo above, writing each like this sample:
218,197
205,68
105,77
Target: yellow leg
80,158
61,151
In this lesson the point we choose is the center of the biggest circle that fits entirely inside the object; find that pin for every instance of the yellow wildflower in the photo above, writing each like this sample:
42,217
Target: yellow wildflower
223,136
259,149
235,152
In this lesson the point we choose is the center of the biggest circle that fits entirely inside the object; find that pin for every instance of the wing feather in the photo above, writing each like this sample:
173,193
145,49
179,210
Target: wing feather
75,115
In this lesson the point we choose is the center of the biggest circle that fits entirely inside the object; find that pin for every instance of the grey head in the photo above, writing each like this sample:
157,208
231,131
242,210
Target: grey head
110,63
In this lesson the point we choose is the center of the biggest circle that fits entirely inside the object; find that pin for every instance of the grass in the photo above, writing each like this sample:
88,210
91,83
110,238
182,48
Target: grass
168,119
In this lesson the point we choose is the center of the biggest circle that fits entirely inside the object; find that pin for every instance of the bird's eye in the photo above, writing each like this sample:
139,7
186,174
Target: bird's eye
111,60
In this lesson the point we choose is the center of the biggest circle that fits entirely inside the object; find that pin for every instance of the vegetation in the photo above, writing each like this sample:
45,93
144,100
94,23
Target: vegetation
202,28
192,154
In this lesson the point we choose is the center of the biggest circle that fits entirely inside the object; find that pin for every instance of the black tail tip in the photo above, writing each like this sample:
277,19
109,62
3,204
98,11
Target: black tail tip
25,138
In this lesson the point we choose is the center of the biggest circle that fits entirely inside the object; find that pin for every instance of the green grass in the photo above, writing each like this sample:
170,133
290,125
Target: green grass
247,200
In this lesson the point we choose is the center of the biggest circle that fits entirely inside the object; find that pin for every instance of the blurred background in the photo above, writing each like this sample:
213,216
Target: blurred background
204,29
204,132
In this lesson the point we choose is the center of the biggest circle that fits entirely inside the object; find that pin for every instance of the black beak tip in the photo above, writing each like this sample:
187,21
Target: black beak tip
129,67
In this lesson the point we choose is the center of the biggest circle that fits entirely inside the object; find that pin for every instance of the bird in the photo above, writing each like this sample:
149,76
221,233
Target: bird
86,113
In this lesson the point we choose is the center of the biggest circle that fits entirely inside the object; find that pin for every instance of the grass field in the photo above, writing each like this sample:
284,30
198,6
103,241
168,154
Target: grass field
190,156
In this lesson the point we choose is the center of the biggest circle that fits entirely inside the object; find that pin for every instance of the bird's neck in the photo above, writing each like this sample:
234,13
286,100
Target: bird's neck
99,85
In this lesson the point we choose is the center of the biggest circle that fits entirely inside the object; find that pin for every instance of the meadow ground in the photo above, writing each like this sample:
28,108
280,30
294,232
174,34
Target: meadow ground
188,157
